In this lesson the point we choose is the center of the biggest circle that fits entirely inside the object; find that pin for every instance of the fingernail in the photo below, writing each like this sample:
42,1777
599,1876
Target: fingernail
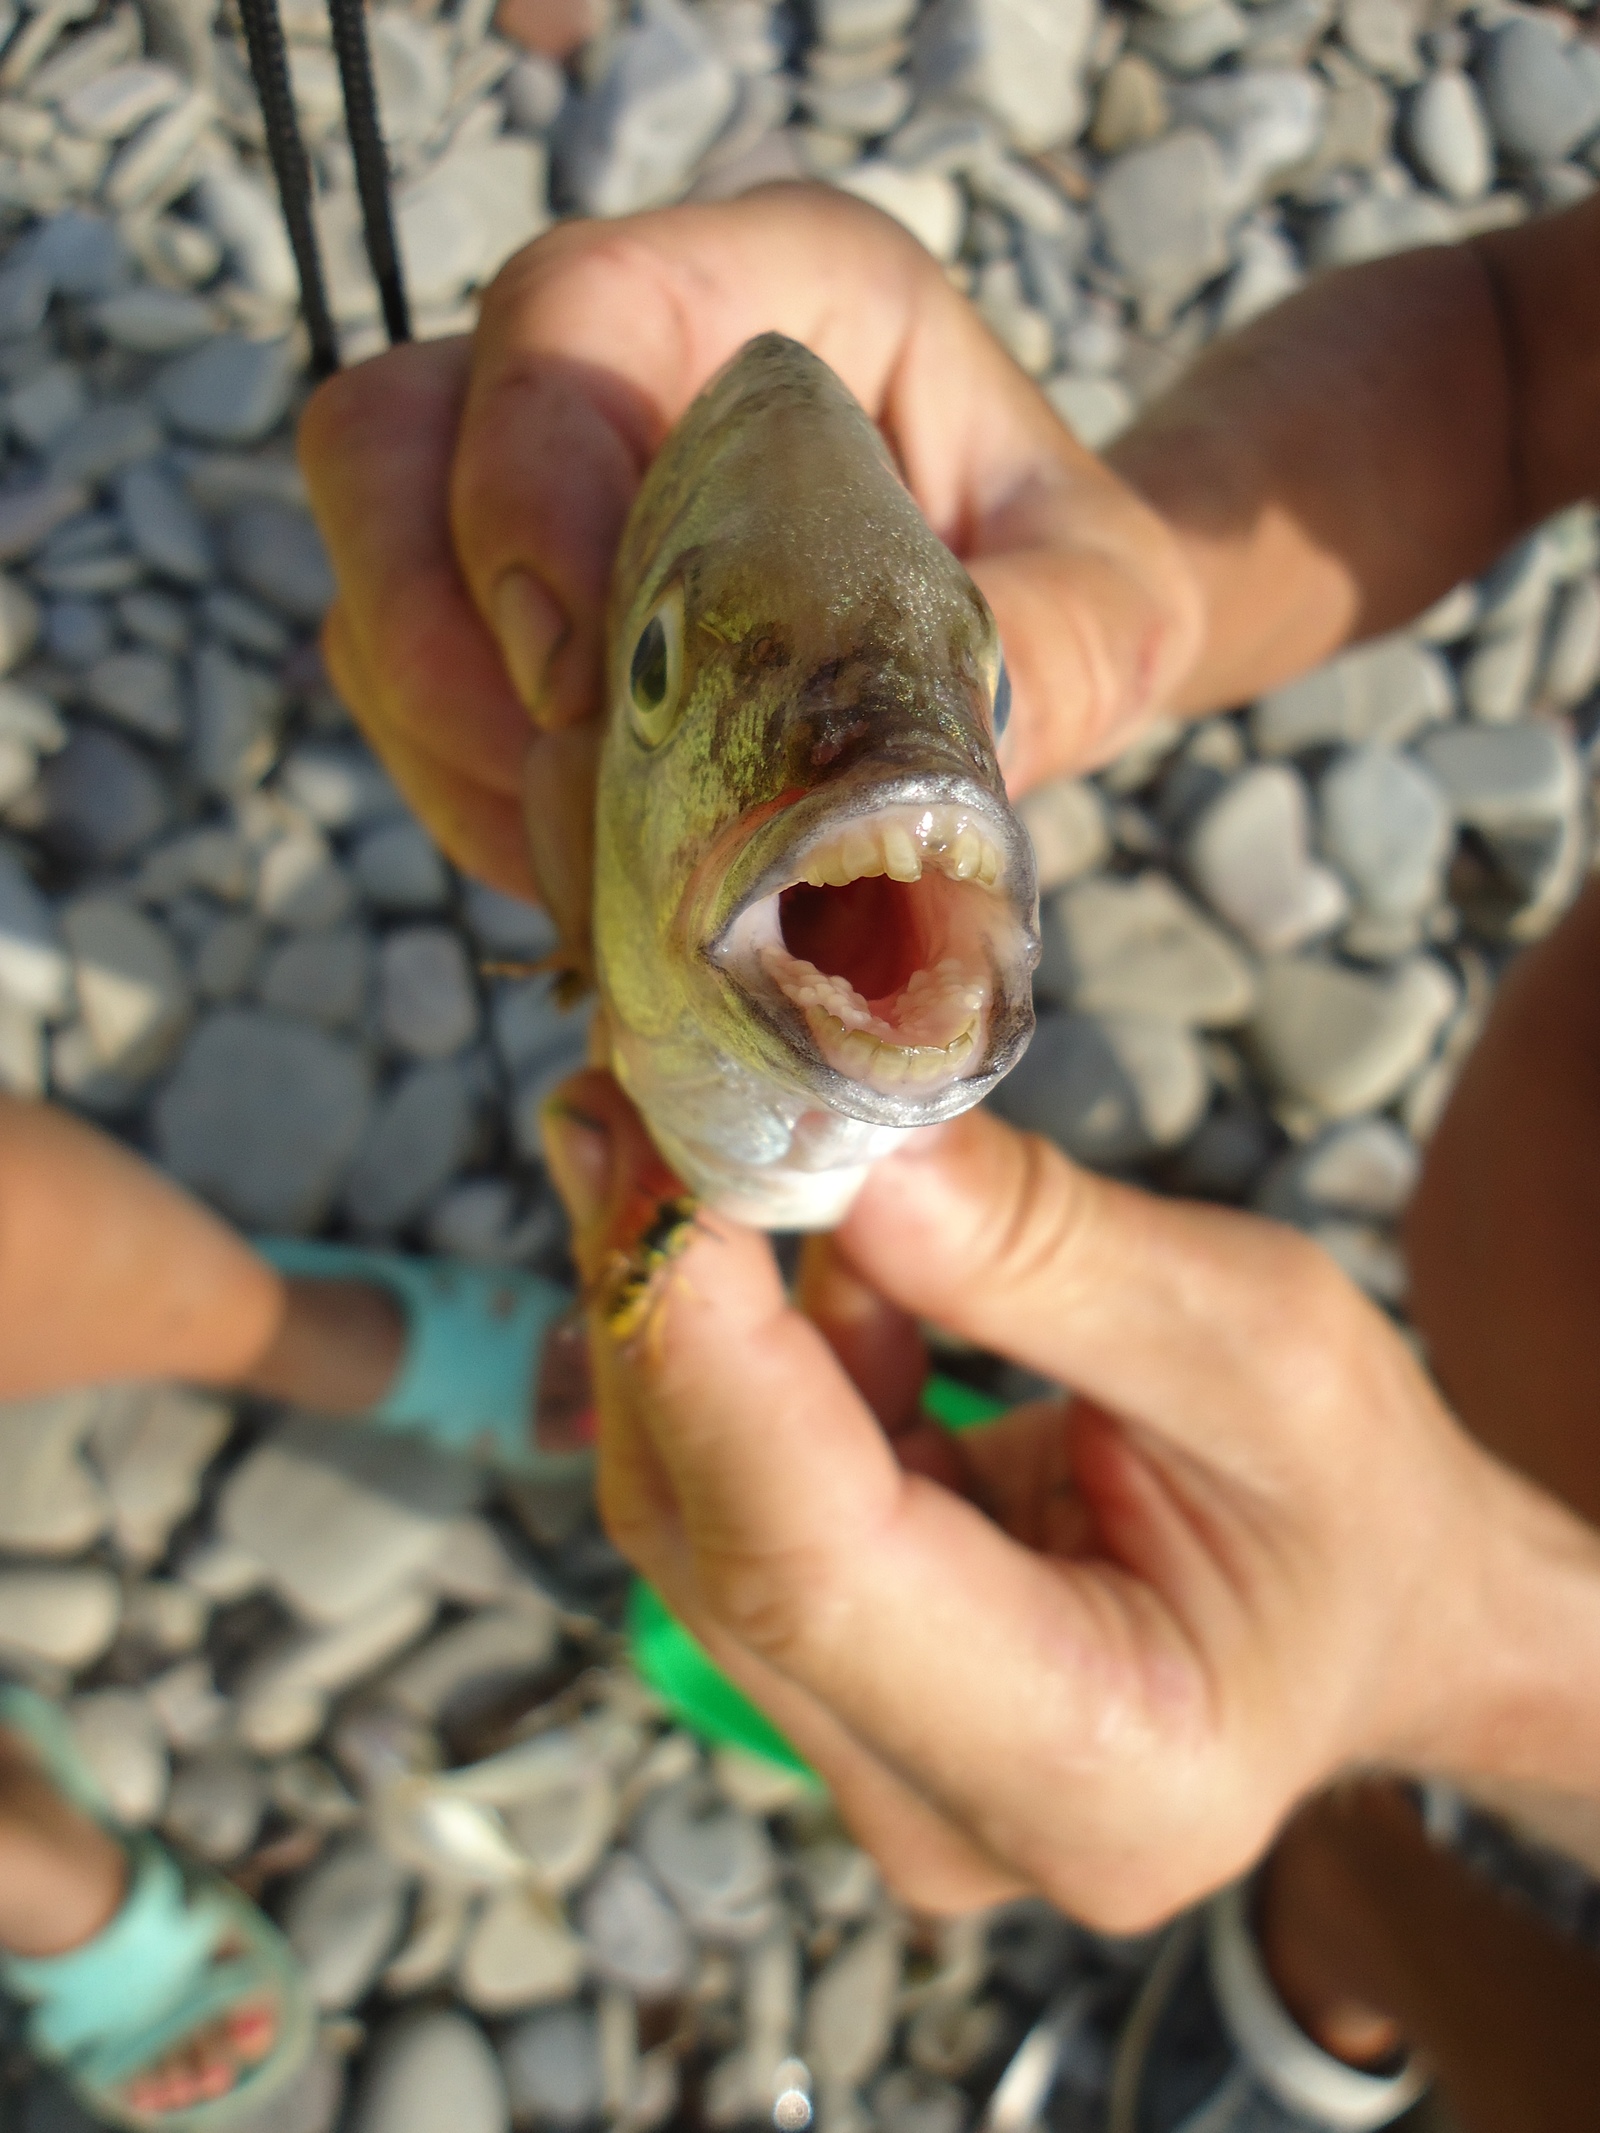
577,1150
530,628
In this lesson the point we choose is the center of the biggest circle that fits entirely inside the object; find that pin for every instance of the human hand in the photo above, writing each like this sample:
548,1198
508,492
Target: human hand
472,496
1101,1647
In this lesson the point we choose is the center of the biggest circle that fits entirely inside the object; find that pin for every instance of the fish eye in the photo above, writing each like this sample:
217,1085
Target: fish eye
655,672
1002,701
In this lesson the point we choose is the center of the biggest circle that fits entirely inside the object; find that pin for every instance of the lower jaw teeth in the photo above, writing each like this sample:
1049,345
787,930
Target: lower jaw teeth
867,1058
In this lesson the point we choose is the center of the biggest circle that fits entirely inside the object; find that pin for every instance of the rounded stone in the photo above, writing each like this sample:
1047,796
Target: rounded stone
276,553
427,1004
1343,1041
1141,948
119,1738
430,2070
1542,89
62,1617
229,390
216,1803
1448,132
132,994
635,1936
520,1953
552,2067
1386,825
1250,856
263,1116
1107,1089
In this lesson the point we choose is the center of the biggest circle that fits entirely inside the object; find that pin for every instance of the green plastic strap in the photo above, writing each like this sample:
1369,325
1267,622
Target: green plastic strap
682,1672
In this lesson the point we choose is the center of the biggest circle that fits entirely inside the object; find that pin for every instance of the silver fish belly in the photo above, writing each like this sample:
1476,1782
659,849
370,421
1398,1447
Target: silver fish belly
815,913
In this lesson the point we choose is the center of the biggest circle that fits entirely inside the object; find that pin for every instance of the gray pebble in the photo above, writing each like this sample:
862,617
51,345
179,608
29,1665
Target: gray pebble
635,1936
322,977
1383,35
141,691
1572,658
1164,213
1022,65
1384,691
301,885
35,969
1192,42
276,553
427,1003
551,2062
631,139
418,1138
156,619
229,390
164,527
103,441
30,515
1342,1041
398,867
102,799
263,1116
215,1804
431,2069
1448,133
1249,854
154,321
51,401
1385,823
133,998
83,254
1506,778
1542,89
78,632
236,713
244,623
19,623
226,959
1498,674
343,1918
1066,823
1141,948
340,785
1108,1089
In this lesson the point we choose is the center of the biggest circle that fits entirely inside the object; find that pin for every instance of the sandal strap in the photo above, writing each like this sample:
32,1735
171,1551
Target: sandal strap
474,1337
1279,2053
134,1975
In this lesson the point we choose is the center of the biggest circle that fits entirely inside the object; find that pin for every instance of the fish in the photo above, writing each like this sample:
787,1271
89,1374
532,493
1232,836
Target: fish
815,914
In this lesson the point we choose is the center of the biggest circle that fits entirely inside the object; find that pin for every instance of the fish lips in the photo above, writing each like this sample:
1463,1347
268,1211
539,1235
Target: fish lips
765,863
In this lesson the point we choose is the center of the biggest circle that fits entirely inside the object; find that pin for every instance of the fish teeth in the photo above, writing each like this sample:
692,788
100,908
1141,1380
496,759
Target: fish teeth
901,859
944,837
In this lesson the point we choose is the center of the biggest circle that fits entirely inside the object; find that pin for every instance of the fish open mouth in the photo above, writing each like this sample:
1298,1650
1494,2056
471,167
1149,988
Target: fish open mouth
884,934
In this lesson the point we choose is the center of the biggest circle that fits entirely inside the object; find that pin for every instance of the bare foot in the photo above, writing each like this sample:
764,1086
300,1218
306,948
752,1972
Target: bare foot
208,2064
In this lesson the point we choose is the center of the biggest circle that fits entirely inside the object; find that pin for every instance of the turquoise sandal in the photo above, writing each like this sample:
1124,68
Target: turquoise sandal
481,1344
156,1974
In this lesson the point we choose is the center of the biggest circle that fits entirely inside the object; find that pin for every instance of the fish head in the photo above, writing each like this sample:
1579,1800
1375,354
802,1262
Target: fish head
803,839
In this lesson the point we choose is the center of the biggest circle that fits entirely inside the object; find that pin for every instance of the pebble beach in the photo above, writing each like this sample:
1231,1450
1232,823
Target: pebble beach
391,1701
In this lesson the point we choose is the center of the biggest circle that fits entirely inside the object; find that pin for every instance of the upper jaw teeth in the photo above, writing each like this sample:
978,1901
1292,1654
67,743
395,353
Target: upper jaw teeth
900,843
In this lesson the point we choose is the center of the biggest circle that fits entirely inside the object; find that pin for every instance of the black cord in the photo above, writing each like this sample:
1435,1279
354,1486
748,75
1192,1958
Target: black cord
348,18
269,66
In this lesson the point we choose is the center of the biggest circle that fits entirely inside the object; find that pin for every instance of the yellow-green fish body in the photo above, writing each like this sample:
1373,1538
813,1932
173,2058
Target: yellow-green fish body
815,913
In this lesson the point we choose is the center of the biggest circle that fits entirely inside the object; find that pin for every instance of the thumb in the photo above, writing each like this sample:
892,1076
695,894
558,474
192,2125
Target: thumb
1193,1321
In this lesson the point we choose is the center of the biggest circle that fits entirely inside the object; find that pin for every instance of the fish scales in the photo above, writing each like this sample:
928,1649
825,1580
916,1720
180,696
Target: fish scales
815,913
